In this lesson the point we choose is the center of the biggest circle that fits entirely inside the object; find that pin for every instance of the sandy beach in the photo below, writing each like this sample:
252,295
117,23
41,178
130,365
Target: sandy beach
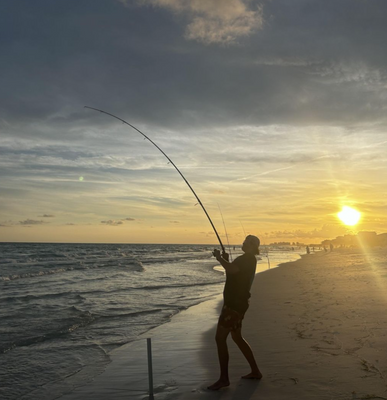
317,326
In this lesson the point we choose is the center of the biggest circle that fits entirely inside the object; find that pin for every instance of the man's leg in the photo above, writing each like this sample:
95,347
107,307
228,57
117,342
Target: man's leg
221,342
245,348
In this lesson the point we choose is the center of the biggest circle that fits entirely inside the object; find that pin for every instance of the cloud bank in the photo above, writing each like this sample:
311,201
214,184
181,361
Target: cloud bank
215,21
112,222
31,222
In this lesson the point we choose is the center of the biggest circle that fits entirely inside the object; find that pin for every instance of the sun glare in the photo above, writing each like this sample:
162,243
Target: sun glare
349,216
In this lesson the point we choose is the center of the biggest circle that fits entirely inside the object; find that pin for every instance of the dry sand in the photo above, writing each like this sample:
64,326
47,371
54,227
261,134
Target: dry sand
317,326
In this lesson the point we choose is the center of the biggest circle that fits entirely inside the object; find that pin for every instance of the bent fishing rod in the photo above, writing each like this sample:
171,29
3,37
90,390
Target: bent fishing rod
177,169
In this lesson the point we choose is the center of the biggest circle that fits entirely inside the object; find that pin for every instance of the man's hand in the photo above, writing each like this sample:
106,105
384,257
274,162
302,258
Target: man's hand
216,253
224,261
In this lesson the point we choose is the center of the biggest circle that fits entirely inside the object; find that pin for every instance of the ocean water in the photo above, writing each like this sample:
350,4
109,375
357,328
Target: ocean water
64,307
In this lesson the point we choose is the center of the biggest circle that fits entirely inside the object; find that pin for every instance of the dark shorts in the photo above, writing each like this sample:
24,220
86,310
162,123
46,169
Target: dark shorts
230,319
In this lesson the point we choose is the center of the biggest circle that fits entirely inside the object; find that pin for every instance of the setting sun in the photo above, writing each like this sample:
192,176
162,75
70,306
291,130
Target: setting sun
349,216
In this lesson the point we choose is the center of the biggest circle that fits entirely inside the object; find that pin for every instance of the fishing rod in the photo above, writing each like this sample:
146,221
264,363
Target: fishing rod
177,169
225,231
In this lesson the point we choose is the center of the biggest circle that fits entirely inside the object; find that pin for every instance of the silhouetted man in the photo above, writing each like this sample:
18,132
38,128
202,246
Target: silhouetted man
239,278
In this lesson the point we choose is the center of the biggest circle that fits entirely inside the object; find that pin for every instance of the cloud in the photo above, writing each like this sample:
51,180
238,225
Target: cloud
174,222
128,219
112,223
7,223
207,234
31,222
47,216
215,21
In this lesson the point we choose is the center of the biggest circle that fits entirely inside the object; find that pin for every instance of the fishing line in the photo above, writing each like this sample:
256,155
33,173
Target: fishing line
242,227
177,169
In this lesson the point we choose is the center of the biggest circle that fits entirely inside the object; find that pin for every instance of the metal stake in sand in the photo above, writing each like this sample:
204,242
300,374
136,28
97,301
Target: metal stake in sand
150,371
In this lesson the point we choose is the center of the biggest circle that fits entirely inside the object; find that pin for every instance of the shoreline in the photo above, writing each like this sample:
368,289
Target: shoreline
317,327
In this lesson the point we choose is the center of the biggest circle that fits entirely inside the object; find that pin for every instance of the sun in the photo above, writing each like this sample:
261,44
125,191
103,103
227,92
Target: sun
349,216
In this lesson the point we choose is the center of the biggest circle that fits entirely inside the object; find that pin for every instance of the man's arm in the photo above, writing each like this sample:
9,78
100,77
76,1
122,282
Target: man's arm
229,267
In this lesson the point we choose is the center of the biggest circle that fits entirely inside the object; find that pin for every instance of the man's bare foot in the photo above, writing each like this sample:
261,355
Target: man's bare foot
253,375
219,384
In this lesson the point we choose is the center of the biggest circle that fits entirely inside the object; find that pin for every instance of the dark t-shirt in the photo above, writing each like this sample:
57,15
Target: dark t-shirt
237,288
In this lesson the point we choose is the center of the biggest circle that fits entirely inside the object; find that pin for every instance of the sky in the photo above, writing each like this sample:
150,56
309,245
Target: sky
274,111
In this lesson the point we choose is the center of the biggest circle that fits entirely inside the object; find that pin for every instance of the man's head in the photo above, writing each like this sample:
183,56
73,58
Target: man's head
251,244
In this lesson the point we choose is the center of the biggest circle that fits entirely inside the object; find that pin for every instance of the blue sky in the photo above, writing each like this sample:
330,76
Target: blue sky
274,110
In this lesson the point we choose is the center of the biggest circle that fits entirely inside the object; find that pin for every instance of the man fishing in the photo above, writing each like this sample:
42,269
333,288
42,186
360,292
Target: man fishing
240,275
239,278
